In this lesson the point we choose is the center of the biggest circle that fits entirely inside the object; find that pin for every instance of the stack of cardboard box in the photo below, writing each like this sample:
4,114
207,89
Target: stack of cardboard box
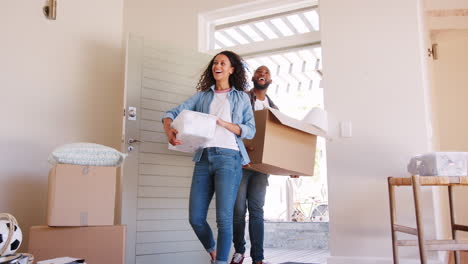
80,217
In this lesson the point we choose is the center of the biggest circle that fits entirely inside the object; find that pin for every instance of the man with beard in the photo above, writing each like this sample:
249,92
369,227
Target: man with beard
252,189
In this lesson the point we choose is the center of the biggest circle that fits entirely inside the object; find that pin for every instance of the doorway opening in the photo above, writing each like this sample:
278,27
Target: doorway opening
285,37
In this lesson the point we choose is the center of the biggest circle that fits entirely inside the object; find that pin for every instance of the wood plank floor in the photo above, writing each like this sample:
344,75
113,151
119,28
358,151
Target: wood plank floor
281,255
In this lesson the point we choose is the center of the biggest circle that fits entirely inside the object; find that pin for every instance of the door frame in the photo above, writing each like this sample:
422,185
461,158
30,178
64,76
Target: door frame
129,186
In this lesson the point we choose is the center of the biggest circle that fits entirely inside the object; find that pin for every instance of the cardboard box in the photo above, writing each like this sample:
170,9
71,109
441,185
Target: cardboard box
194,130
283,145
81,195
95,244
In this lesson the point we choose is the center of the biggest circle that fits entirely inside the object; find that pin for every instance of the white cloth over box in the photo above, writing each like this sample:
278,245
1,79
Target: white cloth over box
194,130
439,164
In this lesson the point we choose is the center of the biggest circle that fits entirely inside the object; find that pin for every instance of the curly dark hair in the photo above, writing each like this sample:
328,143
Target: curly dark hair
238,78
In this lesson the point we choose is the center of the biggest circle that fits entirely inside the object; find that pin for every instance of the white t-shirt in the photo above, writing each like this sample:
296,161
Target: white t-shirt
260,105
221,108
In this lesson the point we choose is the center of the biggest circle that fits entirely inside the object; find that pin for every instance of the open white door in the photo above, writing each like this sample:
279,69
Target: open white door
156,181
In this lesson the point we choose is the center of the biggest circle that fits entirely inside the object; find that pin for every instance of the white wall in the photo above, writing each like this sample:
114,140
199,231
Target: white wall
373,60
61,82
170,22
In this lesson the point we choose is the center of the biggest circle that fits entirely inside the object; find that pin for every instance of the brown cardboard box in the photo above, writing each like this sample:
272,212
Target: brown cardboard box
96,244
81,195
283,145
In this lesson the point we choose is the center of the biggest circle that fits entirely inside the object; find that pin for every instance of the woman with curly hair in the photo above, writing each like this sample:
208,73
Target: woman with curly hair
218,165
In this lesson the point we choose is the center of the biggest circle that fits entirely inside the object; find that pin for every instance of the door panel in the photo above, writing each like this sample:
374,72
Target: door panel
156,181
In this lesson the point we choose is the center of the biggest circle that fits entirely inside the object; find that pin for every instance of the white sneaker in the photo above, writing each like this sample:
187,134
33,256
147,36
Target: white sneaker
237,258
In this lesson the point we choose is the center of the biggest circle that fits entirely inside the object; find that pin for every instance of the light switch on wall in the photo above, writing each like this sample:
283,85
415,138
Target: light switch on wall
346,129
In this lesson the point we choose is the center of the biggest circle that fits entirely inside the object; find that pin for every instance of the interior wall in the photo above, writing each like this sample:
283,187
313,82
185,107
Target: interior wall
373,65
61,82
451,89
170,22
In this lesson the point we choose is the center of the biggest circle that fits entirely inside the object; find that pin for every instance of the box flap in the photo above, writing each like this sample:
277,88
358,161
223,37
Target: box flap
297,124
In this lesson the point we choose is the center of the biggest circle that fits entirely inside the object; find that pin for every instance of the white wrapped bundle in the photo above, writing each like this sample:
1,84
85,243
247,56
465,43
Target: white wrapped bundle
194,130
86,154
439,164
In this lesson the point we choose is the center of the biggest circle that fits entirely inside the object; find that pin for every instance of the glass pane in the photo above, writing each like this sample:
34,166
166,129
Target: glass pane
297,22
282,27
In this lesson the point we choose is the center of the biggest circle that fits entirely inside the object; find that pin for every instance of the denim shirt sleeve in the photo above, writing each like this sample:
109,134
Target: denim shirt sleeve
189,104
248,122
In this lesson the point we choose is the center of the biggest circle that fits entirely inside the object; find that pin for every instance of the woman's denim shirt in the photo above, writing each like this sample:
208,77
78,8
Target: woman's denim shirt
241,114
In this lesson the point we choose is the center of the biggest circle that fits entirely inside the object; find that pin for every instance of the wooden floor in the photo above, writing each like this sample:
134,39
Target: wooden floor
279,255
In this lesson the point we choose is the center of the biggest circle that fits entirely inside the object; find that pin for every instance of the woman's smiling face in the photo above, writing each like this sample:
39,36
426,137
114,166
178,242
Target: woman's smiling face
222,68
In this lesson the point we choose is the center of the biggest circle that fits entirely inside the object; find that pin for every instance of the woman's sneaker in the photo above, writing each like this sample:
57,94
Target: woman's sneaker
238,258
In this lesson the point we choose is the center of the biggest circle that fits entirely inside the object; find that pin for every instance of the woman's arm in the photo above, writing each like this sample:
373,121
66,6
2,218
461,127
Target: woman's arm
229,126
188,104
170,115
246,129
247,126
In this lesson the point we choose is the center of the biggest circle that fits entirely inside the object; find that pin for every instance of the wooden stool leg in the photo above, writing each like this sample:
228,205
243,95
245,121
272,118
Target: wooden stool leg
391,194
456,254
419,222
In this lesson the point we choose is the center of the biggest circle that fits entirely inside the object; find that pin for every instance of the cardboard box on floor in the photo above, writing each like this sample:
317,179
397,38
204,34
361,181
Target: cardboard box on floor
81,195
95,244
283,145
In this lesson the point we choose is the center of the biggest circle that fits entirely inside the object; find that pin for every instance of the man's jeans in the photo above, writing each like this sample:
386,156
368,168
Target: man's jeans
251,195
218,171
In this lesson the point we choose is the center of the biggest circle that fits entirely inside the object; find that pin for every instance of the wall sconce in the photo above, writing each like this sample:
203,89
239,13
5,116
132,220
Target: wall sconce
50,10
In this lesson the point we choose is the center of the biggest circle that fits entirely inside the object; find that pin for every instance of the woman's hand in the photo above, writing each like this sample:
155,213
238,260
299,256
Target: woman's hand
171,133
229,126
249,148
172,137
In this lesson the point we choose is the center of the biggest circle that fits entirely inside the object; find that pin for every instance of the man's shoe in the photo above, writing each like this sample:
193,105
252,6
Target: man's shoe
262,262
238,258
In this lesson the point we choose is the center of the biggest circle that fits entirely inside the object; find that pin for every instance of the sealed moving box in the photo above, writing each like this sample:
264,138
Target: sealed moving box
283,145
81,195
95,244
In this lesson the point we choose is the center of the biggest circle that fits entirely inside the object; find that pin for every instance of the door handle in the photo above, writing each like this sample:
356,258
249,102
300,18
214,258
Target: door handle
132,140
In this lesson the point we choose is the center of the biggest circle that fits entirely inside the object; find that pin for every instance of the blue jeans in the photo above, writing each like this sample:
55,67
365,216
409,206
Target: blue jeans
251,195
218,171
